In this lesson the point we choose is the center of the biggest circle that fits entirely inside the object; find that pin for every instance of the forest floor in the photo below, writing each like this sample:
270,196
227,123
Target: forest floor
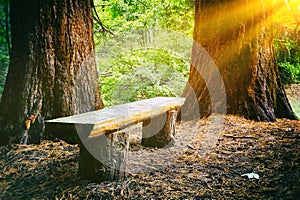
208,161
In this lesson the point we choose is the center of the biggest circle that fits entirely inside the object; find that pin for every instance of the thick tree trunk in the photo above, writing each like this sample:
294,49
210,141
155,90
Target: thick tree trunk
52,71
237,35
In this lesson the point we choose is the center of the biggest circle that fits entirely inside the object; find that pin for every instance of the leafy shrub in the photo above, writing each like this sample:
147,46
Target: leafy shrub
287,53
141,75
289,73
134,66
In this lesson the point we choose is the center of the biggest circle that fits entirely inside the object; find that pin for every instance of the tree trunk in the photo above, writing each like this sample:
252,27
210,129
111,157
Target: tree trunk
52,71
236,37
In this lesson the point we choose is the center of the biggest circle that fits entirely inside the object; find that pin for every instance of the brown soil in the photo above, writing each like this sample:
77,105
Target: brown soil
206,162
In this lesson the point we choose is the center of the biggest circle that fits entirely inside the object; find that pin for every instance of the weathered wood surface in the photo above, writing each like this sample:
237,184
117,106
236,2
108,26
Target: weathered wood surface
96,123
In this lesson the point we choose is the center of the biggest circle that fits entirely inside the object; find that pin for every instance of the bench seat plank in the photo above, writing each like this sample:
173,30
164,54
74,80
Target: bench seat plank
119,116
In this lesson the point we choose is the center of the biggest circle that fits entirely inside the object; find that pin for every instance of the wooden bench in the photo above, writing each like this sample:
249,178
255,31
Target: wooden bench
103,147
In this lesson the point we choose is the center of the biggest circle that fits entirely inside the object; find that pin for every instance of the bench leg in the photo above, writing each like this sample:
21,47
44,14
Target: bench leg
104,158
159,131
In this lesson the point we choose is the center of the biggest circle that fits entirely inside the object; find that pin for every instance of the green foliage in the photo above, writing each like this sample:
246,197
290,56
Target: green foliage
287,52
289,73
133,70
144,78
121,16
287,41
150,52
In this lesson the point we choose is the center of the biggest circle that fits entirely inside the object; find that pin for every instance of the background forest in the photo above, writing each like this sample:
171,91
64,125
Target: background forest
144,47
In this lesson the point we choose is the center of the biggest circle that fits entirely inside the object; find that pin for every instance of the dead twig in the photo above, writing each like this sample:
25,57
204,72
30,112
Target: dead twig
239,137
207,185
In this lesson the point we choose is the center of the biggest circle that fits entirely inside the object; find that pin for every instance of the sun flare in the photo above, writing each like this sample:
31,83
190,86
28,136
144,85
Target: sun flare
294,5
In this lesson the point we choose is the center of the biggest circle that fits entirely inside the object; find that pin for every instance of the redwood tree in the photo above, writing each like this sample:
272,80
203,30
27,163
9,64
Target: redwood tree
52,71
238,36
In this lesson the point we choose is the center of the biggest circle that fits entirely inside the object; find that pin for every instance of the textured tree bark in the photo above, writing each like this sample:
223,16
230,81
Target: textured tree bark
237,35
159,131
52,62
106,157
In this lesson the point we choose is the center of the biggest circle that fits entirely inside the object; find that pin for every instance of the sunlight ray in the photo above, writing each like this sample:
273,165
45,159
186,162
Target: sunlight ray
226,21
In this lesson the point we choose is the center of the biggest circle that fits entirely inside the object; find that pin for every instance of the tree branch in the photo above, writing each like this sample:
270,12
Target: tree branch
142,3
98,20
